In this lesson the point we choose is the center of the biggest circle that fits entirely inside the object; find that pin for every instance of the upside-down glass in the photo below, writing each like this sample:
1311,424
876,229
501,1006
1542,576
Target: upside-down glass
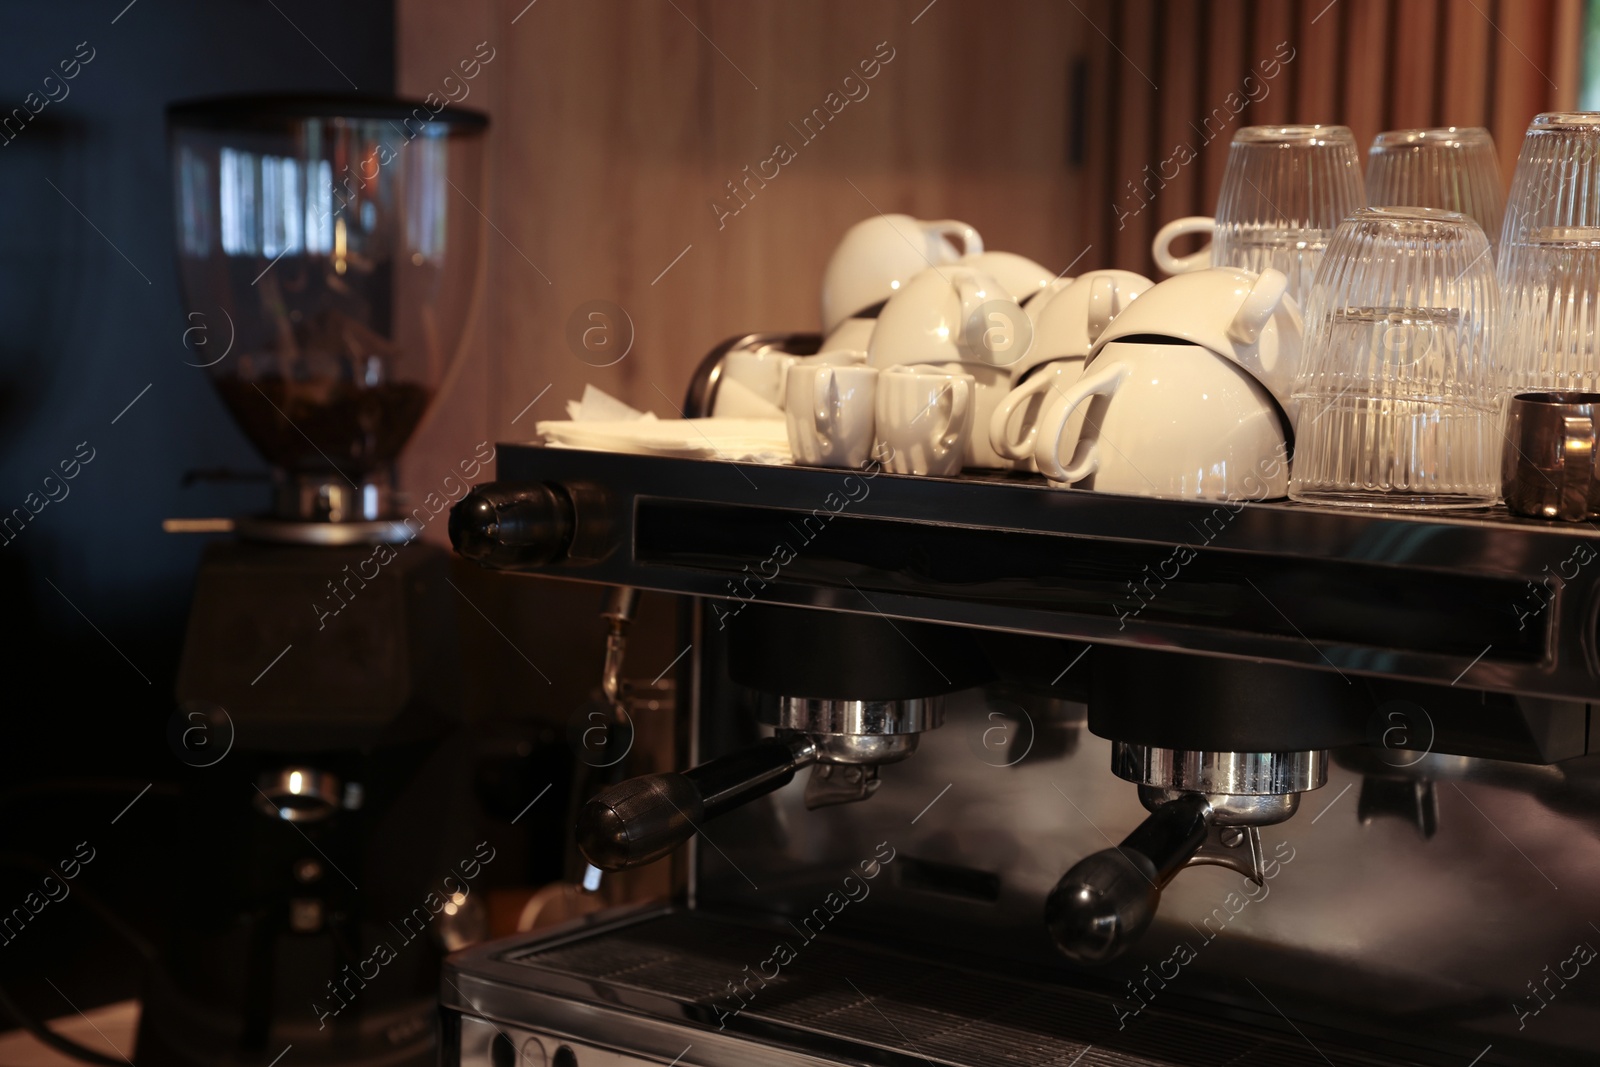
1550,257
1450,167
1285,190
1398,405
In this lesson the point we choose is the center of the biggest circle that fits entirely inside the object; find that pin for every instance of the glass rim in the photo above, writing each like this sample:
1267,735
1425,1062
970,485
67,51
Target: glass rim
1411,213
1294,134
1565,120
1442,136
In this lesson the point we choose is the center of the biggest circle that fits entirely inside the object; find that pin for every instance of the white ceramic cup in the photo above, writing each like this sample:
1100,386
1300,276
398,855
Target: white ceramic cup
1174,420
924,418
951,314
1246,318
831,413
1065,330
757,373
878,256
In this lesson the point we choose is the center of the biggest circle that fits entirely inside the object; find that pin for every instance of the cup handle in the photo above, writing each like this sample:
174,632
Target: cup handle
1047,447
825,403
971,296
1259,306
960,399
1001,420
1175,229
1102,306
954,230
1577,467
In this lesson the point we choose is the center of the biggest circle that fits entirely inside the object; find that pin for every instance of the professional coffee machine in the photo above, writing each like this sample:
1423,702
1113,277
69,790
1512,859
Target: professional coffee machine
329,253
1092,780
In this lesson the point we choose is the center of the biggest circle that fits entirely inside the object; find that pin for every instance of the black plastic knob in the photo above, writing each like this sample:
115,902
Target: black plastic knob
505,525
1108,899
639,821
1102,905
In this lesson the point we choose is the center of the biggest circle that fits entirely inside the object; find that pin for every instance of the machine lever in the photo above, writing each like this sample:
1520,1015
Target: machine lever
1107,900
642,819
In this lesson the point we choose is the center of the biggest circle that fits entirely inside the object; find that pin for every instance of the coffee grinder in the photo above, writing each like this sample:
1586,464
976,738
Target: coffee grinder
329,252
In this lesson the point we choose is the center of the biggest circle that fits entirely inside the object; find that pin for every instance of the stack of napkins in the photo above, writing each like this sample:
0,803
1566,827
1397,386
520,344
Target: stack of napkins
604,424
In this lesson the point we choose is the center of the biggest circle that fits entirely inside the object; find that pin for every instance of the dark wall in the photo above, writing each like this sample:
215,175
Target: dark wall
90,315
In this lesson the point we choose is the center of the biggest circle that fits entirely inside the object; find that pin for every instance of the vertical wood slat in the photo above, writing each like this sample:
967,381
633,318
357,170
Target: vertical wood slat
1102,119
1467,56
1176,137
1318,62
1138,88
1271,35
1365,52
1414,64
1222,77
1523,87
1566,59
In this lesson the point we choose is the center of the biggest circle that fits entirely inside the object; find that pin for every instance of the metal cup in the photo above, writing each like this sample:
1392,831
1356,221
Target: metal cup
1549,470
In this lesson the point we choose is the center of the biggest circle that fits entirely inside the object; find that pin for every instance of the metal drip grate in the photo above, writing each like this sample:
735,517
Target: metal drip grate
847,993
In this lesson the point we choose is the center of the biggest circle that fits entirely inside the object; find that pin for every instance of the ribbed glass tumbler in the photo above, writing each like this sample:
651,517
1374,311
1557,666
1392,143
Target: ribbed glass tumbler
1399,405
1284,191
1550,258
1450,167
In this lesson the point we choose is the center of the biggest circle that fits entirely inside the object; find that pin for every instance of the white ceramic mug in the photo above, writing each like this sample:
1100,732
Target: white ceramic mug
1175,421
879,255
1065,330
831,413
1246,318
924,418
952,314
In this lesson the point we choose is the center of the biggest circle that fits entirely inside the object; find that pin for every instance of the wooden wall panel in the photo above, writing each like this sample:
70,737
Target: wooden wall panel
618,126
1466,77
1523,86
1413,63
1136,94
1319,61
1272,26
1365,67
1227,31
1181,67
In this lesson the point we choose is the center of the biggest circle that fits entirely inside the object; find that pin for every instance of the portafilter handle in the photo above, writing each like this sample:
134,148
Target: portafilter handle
640,820
1107,900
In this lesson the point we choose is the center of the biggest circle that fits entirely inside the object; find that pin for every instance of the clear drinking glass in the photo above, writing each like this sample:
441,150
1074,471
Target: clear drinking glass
1452,167
1549,262
1398,405
1284,191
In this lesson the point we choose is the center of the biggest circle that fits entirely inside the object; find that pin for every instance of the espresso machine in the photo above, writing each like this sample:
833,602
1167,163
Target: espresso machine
329,259
1090,779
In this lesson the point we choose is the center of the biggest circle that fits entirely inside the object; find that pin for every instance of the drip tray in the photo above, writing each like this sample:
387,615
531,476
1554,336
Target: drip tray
833,997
